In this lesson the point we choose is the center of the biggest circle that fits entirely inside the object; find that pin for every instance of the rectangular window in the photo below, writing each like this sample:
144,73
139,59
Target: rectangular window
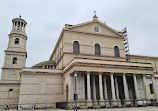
151,88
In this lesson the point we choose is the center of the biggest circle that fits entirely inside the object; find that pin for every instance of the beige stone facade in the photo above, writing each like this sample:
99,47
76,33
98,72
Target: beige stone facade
107,75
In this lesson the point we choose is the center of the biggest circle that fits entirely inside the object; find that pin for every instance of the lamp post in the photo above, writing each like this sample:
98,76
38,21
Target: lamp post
75,92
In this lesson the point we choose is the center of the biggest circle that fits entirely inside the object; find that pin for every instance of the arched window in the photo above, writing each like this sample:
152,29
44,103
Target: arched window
97,49
16,41
76,47
14,60
43,87
116,51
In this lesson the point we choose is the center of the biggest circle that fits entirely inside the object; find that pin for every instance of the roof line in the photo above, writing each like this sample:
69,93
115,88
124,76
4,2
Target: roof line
143,56
73,26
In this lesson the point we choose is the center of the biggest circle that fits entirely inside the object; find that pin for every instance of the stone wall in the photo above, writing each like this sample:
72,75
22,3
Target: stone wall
9,94
40,89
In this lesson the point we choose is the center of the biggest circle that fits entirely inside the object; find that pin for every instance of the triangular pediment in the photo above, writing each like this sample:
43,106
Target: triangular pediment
89,27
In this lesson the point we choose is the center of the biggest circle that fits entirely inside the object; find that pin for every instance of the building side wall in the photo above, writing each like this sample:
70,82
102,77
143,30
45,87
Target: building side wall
40,89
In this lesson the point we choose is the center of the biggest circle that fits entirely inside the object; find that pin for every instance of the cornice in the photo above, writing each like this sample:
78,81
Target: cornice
98,34
17,33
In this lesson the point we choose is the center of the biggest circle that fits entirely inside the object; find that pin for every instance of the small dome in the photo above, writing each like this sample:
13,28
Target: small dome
46,65
19,19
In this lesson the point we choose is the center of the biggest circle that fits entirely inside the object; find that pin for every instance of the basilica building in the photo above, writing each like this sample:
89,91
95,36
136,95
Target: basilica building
90,63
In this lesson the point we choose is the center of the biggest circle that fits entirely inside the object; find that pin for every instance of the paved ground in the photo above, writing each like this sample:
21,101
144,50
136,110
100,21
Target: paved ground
151,108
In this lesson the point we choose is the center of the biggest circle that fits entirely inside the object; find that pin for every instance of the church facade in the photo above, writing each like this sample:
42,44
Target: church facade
90,60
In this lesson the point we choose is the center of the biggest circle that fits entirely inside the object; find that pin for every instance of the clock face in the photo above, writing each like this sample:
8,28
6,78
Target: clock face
96,29
12,73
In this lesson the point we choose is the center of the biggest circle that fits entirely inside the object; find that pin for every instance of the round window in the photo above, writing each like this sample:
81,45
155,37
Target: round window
96,29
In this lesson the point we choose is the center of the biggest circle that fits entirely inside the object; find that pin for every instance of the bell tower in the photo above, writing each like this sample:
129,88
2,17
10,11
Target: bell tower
15,55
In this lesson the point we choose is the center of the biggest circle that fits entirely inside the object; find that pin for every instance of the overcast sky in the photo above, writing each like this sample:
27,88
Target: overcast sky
46,18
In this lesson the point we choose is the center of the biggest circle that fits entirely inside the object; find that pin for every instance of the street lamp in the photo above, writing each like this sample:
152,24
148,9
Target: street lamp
75,92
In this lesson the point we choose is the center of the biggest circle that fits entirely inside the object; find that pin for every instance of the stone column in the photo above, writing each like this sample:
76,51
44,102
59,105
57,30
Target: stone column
100,86
89,101
24,27
11,60
88,87
126,91
13,26
18,61
154,89
101,89
24,57
94,88
125,84
114,101
105,89
106,93
71,90
117,90
112,86
136,87
20,26
145,89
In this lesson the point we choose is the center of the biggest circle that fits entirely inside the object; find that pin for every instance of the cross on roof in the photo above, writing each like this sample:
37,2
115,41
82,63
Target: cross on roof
95,12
